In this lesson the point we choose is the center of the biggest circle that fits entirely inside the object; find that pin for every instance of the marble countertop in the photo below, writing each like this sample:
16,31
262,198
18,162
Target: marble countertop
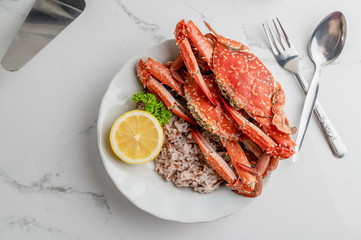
53,184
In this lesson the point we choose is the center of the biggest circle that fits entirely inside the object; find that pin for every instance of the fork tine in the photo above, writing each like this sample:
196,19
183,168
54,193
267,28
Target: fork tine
275,45
270,40
281,33
280,38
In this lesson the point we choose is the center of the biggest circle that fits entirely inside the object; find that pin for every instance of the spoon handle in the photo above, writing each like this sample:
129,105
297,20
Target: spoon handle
338,147
308,106
334,140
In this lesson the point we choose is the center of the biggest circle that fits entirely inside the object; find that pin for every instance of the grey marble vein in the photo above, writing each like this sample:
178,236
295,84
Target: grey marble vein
201,14
90,128
145,26
43,186
29,224
251,42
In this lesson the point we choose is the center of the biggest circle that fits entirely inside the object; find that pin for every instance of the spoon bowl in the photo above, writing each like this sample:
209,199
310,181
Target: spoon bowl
328,39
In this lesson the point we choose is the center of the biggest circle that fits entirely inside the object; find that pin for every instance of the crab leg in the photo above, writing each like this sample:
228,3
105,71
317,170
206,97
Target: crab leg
257,135
189,58
226,41
175,66
273,163
202,64
279,118
261,168
279,136
221,166
252,147
163,74
216,161
168,64
161,92
238,156
199,41
253,132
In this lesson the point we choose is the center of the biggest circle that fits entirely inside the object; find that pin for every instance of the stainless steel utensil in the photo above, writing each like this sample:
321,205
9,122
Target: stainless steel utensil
325,46
287,56
44,22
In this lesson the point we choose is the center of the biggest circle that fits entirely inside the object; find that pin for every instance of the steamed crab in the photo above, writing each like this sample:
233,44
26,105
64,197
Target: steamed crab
229,92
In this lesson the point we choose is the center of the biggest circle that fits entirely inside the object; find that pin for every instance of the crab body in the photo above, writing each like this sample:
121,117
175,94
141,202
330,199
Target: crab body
244,81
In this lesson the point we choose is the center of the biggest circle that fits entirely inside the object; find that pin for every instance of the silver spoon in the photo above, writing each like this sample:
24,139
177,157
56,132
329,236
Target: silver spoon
325,46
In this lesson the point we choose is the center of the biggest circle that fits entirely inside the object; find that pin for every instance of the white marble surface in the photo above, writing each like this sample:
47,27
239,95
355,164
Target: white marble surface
52,181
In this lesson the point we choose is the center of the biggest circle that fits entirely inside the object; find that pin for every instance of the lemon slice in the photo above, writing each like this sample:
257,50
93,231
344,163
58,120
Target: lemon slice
136,137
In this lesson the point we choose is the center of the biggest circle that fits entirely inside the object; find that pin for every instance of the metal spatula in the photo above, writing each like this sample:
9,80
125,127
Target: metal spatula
45,21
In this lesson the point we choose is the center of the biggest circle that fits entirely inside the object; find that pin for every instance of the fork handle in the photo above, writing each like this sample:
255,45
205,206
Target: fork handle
334,140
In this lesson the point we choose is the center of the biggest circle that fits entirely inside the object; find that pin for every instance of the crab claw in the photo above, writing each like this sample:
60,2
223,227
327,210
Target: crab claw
221,166
262,166
226,41
182,39
253,132
238,157
258,136
175,66
216,161
163,74
155,87
280,137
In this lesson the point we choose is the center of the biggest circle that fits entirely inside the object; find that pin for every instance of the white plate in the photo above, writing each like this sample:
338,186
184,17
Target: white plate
140,183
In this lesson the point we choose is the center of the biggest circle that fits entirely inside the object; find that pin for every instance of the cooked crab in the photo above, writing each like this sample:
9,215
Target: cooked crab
229,92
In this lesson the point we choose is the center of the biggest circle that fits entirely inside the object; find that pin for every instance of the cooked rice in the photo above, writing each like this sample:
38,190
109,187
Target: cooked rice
181,160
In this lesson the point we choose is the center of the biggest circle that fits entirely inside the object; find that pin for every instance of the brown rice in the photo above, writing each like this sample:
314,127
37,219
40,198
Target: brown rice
181,160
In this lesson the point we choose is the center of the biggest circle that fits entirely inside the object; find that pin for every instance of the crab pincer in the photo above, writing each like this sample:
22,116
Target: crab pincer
155,87
184,35
175,66
163,74
258,172
244,183
258,136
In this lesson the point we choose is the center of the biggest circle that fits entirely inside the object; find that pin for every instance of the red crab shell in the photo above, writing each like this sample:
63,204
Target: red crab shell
244,80
213,118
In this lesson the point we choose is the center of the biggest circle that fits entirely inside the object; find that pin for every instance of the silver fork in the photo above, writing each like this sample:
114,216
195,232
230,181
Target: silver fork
286,55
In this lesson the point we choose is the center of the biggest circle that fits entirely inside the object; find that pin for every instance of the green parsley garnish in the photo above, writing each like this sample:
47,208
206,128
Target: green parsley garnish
153,106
